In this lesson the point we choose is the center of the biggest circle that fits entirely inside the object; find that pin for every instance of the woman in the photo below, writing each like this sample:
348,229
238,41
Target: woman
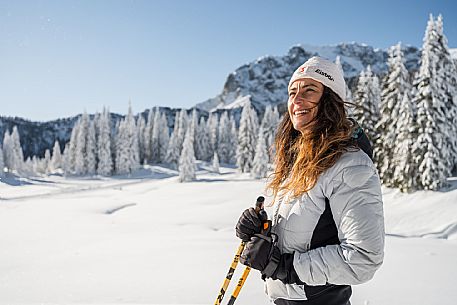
327,225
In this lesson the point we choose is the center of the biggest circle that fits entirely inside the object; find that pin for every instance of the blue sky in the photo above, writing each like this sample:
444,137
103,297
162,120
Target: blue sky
59,58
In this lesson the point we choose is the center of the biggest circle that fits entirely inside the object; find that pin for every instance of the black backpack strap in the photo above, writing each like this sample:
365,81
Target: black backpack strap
360,137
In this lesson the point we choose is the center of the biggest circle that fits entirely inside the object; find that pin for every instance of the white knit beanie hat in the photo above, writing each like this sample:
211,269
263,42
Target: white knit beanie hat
324,71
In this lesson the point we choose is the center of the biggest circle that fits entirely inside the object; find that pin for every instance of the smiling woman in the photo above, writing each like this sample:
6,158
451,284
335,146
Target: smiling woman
328,224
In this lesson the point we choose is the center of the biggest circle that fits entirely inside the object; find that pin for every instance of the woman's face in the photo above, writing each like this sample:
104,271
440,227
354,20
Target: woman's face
304,95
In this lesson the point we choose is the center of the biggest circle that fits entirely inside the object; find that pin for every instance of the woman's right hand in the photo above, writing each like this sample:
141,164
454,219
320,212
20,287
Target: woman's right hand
250,223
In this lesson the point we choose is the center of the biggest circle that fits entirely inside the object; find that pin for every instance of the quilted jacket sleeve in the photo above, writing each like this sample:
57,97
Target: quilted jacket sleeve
356,203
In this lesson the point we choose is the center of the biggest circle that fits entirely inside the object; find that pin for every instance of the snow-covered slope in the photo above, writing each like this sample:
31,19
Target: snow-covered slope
266,78
147,239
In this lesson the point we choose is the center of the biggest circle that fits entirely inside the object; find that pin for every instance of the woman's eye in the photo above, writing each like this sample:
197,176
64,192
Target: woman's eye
291,93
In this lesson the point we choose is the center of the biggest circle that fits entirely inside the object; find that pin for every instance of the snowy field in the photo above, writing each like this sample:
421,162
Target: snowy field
147,239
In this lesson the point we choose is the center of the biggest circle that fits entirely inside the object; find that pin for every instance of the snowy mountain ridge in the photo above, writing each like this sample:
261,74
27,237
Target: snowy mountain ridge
265,79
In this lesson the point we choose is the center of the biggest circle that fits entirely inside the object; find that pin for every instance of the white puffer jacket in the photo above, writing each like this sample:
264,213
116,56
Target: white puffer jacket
353,188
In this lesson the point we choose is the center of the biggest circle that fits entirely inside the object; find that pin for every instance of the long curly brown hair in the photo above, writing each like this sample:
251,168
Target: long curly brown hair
302,157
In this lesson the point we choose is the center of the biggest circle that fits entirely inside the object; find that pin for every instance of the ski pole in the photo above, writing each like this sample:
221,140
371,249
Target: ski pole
247,269
228,277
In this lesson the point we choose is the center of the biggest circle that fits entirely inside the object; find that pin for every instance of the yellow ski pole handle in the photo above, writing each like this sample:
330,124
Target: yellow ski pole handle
238,287
229,275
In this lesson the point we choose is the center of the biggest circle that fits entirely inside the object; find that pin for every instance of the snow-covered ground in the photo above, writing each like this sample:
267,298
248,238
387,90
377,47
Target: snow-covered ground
149,239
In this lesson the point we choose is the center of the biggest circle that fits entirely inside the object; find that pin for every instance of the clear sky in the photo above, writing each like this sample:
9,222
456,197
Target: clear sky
59,58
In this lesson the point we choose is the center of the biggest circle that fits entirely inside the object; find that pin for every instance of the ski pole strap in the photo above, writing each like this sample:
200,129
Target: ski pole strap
273,263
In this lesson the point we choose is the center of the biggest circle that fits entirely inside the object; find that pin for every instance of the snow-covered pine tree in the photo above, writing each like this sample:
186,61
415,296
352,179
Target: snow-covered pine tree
132,141
260,163
81,142
447,86
147,135
233,140
367,99
91,149
395,87
432,150
18,156
105,160
47,162
402,157
193,125
2,164
216,167
8,156
155,134
223,144
174,150
70,152
164,138
141,127
183,125
122,160
187,159
269,125
66,162
202,139
246,139
56,160
213,130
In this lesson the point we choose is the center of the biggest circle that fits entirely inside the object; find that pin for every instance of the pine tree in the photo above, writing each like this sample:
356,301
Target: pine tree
70,152
141,128
56,160
8,156
193,125
164,138
202,141
187,159
147,135
216,168
432,148
260,163
223,144
174,150
213,130
246,139
183,125
395,87
91,149
47,162
269,125
447,86
2,164
81,142
18,156
402,157
66,161
155,147
105,160
233,140
367,101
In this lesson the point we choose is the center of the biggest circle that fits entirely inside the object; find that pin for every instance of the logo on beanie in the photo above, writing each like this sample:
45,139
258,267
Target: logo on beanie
319,71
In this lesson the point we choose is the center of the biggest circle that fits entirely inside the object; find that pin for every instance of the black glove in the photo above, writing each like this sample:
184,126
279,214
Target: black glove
250,223
261,253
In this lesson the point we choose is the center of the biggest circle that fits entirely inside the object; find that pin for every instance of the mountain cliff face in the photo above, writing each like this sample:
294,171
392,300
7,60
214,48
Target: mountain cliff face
265,80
